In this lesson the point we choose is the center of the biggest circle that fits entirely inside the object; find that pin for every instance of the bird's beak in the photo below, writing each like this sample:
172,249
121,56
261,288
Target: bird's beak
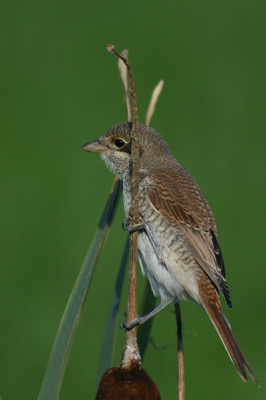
94,147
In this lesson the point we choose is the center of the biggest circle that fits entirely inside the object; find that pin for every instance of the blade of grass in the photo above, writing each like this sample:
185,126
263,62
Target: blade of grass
52,382
107,352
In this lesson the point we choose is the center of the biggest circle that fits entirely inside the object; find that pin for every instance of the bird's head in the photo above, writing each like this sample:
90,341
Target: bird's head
114,147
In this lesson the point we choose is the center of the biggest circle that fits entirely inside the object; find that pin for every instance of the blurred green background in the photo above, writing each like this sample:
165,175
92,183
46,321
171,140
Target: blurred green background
59,89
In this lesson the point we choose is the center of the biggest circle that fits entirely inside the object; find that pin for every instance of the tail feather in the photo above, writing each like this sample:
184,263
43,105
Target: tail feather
211,303
237,347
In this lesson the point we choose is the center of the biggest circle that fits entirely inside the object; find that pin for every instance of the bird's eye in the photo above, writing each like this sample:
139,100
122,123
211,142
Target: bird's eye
119,143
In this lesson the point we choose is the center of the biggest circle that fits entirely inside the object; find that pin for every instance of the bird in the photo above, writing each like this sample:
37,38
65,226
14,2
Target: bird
177,249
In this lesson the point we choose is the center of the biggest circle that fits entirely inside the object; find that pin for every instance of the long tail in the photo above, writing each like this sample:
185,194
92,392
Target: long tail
211,303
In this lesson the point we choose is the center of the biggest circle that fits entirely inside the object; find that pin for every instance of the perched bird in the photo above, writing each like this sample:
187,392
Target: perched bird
178,248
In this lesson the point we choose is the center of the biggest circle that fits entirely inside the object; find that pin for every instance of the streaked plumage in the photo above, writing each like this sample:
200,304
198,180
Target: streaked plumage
177,247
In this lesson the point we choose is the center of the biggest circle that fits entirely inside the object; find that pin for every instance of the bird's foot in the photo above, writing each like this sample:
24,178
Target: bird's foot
130,325
132,228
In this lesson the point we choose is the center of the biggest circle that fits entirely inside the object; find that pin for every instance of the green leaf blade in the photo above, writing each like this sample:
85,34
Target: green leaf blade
107,352
52,382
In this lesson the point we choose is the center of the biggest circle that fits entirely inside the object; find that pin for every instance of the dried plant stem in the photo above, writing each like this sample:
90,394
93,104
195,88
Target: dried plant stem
154,98
123,75
131,354
180,354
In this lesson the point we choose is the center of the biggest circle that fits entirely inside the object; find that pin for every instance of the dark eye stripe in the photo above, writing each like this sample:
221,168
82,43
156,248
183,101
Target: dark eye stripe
127,148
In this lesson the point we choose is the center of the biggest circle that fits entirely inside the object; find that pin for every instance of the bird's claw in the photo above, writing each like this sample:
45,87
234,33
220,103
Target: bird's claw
132,228
127,327
123,326
124,224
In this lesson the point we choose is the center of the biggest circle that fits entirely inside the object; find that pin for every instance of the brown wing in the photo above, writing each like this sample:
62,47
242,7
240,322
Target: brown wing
180,200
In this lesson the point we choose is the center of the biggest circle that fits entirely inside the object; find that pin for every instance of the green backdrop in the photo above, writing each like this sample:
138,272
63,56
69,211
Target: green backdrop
59,89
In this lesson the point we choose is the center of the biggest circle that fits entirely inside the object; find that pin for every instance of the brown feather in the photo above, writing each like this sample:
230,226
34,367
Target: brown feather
185,207
211,303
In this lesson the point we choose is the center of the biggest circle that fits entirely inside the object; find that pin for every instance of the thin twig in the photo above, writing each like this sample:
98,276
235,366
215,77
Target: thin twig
131,352
154,98
180,354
